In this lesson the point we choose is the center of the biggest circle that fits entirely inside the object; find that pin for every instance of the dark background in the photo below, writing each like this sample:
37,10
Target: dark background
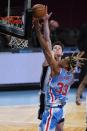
69,13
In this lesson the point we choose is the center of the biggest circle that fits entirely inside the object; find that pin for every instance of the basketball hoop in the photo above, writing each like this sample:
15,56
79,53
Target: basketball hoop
17,43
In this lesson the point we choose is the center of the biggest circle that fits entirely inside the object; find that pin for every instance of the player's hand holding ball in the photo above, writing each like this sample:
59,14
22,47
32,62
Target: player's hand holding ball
39,10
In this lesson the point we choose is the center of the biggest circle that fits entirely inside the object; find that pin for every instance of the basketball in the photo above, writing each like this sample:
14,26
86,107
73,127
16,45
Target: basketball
39,10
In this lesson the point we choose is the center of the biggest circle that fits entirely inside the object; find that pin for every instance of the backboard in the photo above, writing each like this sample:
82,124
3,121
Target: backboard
16,18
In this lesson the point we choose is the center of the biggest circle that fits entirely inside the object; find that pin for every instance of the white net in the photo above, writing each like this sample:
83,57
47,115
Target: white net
17,43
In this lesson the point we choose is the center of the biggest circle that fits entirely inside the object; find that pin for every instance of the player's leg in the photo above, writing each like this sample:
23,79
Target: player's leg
42,95
60,125
80,89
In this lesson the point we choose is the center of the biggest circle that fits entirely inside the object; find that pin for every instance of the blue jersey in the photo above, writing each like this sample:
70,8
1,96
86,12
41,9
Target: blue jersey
56,95
58,87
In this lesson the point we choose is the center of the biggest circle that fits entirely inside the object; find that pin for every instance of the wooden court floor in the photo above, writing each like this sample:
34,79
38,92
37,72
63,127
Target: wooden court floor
24,118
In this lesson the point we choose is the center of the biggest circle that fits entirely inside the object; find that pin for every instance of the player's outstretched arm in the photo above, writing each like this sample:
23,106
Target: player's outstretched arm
45,46
46,29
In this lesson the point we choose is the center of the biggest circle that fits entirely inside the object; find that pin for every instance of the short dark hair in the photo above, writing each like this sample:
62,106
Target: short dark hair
59,43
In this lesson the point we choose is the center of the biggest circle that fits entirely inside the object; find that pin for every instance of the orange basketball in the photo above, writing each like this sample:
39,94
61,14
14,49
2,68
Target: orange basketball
39,10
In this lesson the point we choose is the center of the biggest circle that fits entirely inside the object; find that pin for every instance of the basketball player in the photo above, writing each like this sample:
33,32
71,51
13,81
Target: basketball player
60,80
45,66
